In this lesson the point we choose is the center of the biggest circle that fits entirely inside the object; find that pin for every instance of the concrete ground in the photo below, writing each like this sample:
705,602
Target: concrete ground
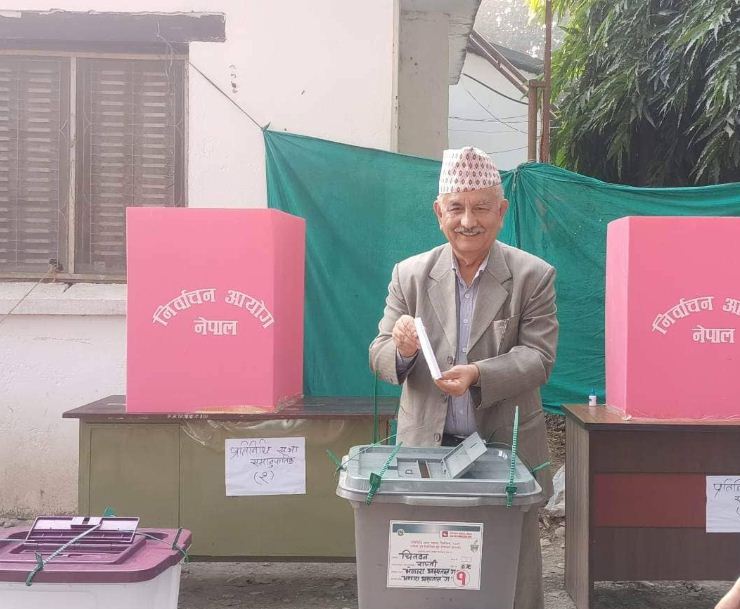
333,586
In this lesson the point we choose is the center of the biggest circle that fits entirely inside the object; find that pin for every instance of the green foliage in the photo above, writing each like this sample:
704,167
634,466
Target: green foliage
559,7
648,91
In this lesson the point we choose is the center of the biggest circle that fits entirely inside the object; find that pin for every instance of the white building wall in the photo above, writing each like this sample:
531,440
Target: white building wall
324,68
422,89
51,362
485,119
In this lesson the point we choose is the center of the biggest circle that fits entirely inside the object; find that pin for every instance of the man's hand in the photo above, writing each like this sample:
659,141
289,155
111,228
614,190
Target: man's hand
458,379
404,335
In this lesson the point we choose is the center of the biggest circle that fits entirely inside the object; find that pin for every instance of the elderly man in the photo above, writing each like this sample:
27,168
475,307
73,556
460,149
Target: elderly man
489,311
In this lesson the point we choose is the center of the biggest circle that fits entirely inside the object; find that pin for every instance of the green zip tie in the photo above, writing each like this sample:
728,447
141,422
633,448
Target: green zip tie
534,470
177,537
182,550
376,479
39,567
511,487
335,459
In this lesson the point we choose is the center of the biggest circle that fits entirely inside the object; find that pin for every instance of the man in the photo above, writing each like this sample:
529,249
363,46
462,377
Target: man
489,311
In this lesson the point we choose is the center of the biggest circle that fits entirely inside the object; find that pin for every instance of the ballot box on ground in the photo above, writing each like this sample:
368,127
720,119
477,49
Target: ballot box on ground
672,317
90,562
215,309
436,528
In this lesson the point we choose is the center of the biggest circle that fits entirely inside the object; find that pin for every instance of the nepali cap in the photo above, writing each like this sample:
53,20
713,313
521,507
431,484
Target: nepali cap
466,169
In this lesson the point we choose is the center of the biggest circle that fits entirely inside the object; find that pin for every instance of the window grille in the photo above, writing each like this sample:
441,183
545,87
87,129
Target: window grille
81,139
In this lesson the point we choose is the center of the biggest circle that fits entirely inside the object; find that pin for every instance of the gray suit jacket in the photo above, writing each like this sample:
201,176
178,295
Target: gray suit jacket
513,340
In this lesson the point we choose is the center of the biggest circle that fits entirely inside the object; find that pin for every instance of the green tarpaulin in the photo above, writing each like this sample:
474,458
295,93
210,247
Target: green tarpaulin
367,209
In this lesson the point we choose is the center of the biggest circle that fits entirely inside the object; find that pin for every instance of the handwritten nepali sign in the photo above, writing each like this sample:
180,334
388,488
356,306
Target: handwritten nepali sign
723,504
215,327
265,466
435,555
687,307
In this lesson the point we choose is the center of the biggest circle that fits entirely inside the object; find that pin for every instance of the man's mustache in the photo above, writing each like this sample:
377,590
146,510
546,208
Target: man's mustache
468,232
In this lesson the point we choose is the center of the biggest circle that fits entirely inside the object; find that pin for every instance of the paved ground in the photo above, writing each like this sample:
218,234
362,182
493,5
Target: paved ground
333,586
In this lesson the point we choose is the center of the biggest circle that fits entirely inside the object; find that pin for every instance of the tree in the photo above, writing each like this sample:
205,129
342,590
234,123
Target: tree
648,91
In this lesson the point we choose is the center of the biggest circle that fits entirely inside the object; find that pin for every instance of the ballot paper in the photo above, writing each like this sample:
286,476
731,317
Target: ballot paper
426,349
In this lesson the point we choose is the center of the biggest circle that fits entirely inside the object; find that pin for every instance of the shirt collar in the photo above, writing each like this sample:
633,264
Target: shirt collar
481,268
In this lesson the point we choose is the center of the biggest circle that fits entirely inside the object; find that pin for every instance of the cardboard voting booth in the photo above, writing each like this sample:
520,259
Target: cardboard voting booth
215,309
673,317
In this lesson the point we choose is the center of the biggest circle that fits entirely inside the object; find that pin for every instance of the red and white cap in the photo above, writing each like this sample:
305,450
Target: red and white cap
466,169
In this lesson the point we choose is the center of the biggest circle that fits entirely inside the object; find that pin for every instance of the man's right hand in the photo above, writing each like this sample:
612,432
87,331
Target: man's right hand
404,336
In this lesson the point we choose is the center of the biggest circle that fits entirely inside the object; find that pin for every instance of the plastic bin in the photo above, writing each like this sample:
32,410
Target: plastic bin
114,567
430,540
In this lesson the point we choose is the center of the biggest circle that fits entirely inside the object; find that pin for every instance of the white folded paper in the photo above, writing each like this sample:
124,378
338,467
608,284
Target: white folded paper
426,349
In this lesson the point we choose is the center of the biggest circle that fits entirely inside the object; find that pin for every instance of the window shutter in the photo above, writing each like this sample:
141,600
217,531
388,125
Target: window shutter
131,118
34,113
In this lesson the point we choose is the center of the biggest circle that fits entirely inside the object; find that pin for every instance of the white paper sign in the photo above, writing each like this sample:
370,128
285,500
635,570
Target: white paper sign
435,555
265,466
723,504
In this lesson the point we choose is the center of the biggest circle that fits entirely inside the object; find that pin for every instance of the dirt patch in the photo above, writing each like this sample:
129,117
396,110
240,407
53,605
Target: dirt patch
268,586
555,440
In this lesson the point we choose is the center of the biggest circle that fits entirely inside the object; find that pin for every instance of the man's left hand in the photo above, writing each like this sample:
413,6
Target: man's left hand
458,379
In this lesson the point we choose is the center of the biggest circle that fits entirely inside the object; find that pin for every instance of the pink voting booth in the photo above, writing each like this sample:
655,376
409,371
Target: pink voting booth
215,309
672,317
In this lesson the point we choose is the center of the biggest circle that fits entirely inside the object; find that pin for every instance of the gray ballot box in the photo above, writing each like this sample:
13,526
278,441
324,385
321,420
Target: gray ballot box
437,533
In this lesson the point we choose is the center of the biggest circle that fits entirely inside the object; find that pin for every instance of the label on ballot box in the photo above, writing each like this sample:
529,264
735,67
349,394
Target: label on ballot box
215,309
673,317
435,555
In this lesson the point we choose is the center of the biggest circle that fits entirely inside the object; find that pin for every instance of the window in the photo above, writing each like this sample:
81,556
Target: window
82,137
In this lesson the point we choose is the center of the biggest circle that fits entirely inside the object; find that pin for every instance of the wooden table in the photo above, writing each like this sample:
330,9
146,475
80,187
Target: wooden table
635,499
169,470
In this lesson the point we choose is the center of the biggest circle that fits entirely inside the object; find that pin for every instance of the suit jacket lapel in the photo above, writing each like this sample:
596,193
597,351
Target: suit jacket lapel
491,294
442,295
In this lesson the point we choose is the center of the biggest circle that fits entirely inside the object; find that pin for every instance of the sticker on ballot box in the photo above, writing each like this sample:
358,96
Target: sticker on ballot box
435,555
